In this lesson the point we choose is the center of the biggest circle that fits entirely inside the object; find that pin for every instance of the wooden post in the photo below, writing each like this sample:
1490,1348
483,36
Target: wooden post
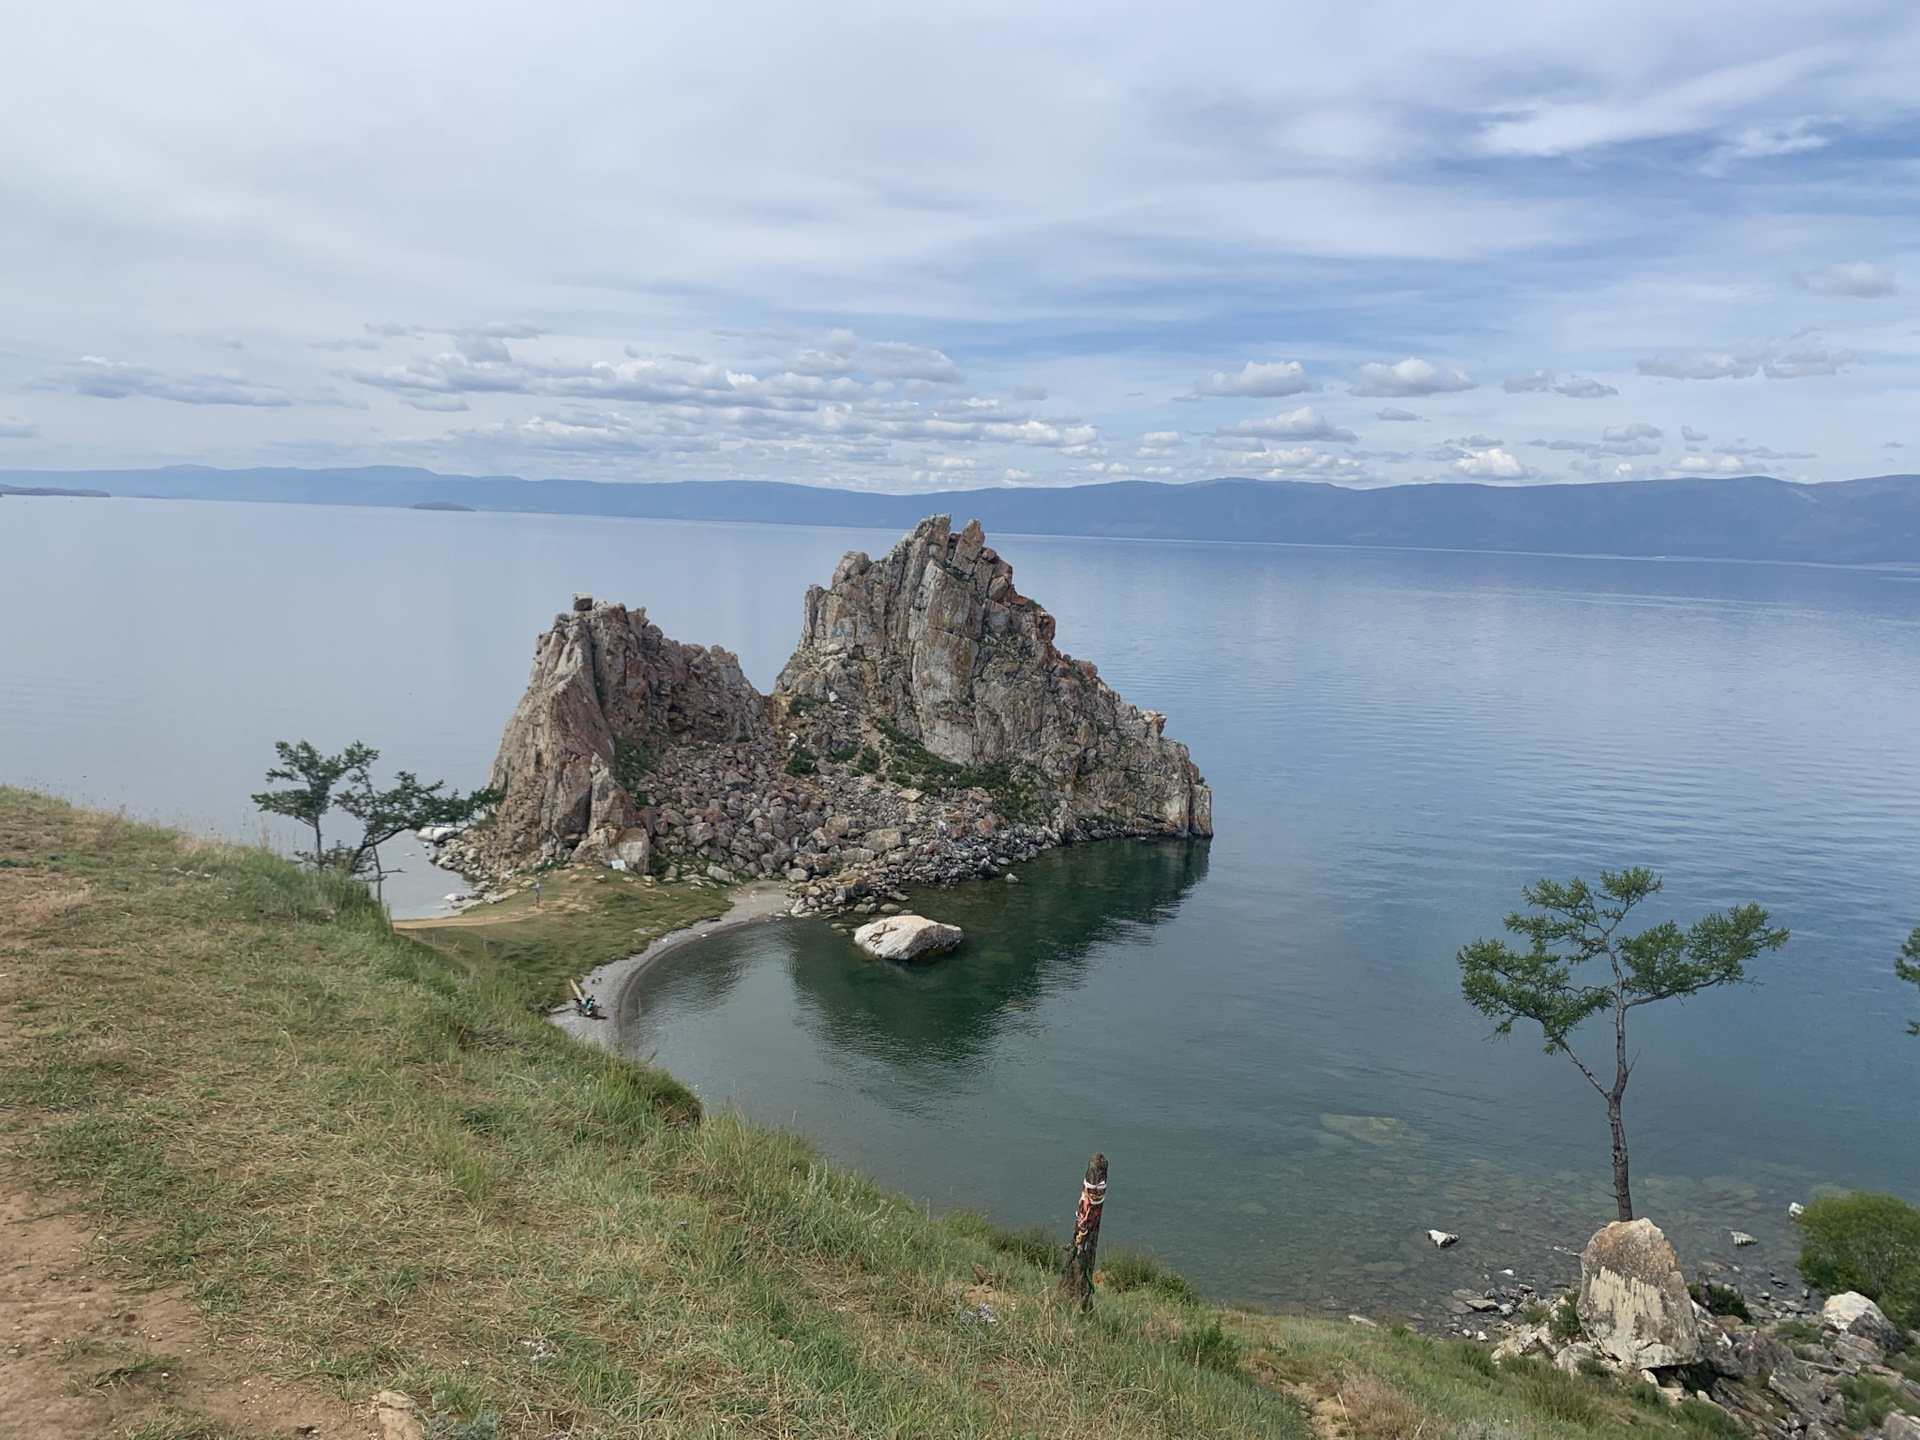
1077,1283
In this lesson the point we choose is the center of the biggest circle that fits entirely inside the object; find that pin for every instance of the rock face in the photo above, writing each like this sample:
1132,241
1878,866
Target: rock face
609,693
925,730
931,654
1633,1298
907,937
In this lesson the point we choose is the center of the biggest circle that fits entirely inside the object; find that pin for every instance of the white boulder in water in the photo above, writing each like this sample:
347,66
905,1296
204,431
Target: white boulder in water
907,937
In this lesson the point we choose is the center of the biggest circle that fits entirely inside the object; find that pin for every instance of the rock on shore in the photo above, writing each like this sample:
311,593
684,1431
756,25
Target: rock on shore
925,730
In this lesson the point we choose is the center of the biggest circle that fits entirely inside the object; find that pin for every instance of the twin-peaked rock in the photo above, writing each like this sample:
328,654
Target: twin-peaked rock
925,728
933,642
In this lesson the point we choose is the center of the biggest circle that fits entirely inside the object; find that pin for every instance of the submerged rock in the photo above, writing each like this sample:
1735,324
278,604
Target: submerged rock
907,937
1634,1303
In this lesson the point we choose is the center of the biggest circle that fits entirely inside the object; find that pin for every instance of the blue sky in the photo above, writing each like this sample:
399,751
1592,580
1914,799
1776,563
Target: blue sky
911,247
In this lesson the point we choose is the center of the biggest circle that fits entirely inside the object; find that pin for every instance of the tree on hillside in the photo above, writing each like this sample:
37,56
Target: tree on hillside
1907,966
1575,926
344,782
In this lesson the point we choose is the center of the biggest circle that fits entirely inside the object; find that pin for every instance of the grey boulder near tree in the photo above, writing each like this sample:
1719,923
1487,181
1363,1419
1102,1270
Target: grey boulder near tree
344,782
1577,925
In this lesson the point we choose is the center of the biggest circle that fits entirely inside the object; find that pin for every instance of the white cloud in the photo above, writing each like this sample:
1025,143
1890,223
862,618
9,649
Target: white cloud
1408,378
1395,413
1537,381
1259,381
1805,363
893,361
1159,444
1585,388
1744,451
1306,423
1303,462
1494,463
1762,142
1705,365
12,429
1705,465
1639,430
1860,279
118,379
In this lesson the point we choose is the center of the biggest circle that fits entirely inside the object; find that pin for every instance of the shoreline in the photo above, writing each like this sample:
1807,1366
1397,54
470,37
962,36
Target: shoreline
608,984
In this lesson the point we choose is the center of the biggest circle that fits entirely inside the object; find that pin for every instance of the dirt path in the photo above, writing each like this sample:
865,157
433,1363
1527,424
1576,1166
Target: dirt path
82,1357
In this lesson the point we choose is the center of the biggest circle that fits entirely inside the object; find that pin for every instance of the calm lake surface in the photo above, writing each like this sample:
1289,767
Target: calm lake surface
1264,1033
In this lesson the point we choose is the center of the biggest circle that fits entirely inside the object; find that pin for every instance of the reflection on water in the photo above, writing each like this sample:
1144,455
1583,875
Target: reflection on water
1025,942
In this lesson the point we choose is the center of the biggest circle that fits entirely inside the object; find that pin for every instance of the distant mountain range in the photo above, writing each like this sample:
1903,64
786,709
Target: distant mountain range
1752,517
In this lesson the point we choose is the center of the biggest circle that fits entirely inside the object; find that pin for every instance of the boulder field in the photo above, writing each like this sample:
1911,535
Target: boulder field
925,730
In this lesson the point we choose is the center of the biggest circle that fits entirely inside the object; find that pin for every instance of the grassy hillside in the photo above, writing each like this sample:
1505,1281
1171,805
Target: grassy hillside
379,1165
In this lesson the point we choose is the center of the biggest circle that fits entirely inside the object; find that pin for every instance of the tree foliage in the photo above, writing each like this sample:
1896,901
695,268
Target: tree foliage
1907,966
1864,1242
1575,926
321,784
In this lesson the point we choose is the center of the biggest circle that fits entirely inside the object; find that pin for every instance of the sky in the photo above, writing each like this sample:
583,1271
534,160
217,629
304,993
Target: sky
933,246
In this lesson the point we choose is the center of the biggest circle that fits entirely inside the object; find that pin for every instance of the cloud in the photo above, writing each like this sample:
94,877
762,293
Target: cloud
1763,142
1805,363
1159,444
1705,365
1859,279
1408,378
1744,451
1705,465
1259,381
1306,423
1585,388
1393,412
118,379
1303,462
1537,381
1637,438
12,429
1493,463
891,360
1687,432
1029,393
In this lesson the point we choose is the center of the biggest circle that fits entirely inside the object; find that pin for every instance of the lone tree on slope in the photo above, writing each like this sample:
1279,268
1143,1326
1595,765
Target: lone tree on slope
1576,925
322,783
1907,966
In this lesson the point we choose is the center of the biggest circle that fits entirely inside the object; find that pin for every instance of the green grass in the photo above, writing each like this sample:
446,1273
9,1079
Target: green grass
364,1151
586,917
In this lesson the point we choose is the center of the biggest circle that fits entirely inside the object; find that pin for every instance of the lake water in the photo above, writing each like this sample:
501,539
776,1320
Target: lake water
1264,1032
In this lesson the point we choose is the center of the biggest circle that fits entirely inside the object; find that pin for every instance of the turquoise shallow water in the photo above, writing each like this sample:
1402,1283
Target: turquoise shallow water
1265,1032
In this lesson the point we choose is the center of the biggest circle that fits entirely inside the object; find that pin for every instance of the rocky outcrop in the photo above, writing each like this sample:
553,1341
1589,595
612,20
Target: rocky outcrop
609,695
1634,1303
925,730
928,663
